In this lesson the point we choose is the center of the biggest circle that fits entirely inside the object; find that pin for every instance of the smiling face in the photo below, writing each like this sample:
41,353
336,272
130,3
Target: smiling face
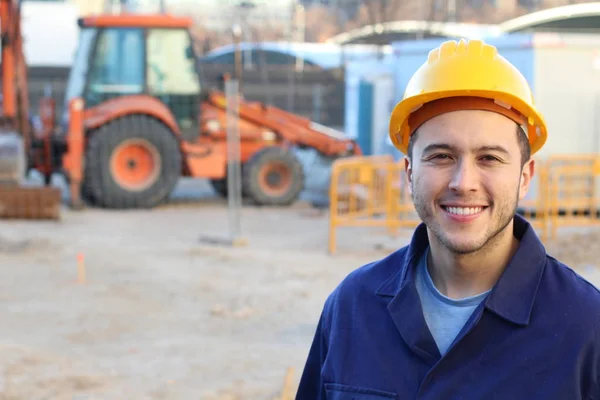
466,178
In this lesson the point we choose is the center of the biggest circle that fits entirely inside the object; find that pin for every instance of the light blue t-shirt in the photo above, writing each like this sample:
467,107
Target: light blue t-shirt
445,317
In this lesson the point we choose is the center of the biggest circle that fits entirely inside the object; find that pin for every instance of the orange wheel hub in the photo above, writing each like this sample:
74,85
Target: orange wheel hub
135,164
275,178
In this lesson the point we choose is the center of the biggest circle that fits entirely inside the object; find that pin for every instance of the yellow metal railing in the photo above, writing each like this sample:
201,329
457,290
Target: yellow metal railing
535,209
369,192
572,191
372,191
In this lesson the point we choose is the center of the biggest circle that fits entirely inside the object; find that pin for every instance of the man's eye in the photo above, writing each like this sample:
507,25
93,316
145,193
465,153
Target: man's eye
490,158
440,157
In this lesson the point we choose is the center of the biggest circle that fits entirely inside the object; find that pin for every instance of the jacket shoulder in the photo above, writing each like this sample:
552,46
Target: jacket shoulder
573,289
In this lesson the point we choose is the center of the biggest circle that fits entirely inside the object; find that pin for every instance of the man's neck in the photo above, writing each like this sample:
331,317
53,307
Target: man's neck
460,276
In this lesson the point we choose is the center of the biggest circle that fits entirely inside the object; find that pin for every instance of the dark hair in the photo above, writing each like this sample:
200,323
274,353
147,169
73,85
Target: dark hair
524,145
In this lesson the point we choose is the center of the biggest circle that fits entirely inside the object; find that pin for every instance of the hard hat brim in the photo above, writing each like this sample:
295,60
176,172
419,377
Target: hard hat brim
400,131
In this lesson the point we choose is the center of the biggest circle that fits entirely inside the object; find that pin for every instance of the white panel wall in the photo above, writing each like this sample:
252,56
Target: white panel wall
383,100
369,69
567,91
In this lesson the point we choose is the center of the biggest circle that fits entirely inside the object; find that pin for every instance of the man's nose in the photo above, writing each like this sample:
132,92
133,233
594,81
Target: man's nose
464,177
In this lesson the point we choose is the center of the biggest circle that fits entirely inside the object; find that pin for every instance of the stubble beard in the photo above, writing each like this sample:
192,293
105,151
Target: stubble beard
505,214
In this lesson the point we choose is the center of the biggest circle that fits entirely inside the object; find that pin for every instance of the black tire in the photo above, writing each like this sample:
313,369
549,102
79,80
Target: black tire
285,164
219,186
86,193
101,182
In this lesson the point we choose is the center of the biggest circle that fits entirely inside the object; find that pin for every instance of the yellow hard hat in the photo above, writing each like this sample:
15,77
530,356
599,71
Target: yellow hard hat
466,75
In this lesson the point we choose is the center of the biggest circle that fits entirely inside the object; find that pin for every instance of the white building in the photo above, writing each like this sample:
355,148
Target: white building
62,28
38,30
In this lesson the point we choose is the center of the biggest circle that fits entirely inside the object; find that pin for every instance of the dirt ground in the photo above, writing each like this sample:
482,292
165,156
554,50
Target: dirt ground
164,314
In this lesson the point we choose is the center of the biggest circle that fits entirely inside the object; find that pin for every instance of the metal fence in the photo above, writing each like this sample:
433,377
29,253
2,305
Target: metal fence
312,92
369,191
572,191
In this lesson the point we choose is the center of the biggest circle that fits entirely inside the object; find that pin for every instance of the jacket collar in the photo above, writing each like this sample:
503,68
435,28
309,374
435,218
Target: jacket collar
512,297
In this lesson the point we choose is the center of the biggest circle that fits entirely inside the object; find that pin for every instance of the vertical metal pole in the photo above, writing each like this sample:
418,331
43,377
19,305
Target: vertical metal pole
300,33
234,174
317,102
451,9
237,34
291,89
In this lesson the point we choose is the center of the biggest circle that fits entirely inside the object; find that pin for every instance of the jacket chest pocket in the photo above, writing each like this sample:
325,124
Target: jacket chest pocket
344,392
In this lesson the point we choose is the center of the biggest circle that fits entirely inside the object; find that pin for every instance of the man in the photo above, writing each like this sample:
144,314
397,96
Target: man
473,307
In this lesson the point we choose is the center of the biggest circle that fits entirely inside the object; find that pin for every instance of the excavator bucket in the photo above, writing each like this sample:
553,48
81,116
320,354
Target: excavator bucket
18,201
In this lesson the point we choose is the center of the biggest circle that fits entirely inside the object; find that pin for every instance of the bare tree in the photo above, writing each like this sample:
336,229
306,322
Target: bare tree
267,31
321,23
380,11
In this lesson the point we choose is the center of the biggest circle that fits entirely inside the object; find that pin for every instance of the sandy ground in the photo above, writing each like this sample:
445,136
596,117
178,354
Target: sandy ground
166,315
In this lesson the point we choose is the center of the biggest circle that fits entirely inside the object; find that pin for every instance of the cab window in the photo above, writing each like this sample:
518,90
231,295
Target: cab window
171,64
172,76
118,65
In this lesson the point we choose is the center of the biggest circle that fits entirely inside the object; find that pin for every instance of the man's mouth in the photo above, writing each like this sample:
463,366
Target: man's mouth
463,210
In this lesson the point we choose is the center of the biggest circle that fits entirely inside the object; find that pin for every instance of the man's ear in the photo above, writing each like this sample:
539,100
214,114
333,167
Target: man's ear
408,170
527,174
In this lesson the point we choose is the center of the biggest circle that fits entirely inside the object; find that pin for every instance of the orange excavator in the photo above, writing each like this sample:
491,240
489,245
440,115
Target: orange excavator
138,117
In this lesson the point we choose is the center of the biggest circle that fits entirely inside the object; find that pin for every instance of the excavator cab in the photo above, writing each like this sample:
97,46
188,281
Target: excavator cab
118,57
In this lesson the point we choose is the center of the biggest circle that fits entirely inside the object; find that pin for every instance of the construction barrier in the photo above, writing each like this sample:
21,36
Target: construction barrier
535,205
572,199
369,191
372,191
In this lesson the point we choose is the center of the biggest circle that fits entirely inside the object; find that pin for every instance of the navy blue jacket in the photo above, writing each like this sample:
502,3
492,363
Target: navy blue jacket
536,336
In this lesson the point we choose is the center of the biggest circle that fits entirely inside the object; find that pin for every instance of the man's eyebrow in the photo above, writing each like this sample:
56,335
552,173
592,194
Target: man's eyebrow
499,149
445,146
438,146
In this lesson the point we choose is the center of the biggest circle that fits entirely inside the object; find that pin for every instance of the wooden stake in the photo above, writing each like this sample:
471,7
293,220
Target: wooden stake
80,269
287,392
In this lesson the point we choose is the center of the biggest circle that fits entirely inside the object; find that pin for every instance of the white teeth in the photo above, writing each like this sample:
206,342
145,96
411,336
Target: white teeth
464,210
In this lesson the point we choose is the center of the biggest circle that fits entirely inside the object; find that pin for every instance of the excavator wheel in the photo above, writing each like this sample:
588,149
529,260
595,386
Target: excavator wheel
219,186
273,177
132,162
86,193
